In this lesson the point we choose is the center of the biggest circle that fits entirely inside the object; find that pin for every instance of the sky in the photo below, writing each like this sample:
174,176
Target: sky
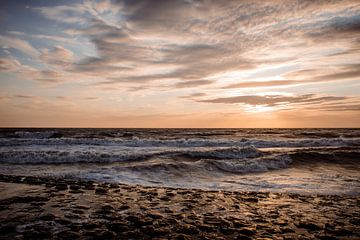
184,63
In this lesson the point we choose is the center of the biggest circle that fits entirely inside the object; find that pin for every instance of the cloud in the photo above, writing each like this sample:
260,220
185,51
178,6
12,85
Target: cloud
306,76
339,75
58,56
126,47
328,73
274,100
26,72
55,38
341,26
255,100
272,83
25,96
342,108
194,95
92,65
146,52
81,13
18,44
276,83
90,98
48,76
64,13
189,84
8,65
132,36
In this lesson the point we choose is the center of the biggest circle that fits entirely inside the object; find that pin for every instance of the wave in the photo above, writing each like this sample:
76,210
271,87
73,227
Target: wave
210,167
51,138
114,154
225,153
70,157
69,150
181,133
36,135
231,160
248,165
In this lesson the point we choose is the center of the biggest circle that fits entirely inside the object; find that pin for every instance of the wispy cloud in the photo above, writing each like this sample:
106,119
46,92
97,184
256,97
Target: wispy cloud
191,55
18,44
256,100
64,13
196,83
57,56
281,101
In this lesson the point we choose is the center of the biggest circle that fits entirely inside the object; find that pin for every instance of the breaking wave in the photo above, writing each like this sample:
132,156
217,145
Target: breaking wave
69,157
249,165
114,154
50,139
225,153
211,166
36,135
306,160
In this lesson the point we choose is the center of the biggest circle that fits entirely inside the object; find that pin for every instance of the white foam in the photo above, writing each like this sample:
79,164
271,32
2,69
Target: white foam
107,154
84,154
35,135
226,153
246,165
151,157
45,138
72,150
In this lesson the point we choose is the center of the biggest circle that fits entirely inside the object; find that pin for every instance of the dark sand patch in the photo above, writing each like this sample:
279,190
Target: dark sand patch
9,190
44,208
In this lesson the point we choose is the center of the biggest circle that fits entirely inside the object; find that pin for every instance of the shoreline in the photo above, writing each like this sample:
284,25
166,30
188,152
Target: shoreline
62,208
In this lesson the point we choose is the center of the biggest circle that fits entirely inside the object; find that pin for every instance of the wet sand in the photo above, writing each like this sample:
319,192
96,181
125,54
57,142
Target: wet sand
46,208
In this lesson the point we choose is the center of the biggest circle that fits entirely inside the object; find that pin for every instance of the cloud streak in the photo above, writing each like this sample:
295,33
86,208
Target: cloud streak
260,100
184,57
281,101
18,44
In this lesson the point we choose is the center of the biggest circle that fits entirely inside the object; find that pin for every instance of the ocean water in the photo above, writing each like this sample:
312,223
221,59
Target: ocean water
308,161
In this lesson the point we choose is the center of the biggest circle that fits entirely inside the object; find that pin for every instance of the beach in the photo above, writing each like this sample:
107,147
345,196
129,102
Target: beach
50,208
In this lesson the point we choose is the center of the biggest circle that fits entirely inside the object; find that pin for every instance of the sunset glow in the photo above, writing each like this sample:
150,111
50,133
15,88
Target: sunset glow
180,63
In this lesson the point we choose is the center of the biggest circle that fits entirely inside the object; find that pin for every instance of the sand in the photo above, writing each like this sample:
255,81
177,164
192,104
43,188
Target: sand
46,208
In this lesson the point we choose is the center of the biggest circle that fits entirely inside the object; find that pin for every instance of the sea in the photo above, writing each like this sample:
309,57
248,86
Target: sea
305,161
